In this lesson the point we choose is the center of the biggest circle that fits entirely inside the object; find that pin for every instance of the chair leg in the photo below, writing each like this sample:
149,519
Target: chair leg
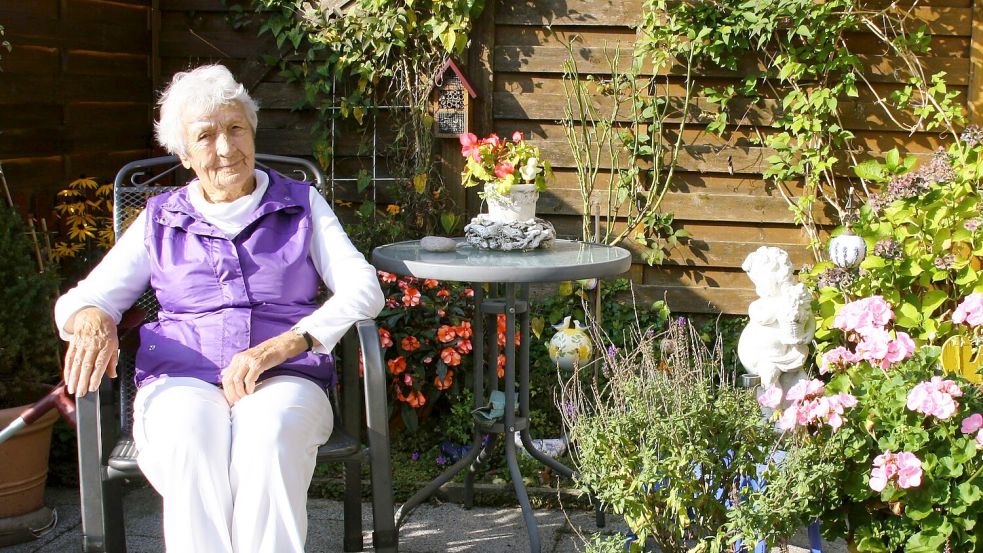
353,507
385,537
101,500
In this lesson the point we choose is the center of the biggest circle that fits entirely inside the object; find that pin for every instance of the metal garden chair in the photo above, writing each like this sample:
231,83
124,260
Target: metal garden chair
106,450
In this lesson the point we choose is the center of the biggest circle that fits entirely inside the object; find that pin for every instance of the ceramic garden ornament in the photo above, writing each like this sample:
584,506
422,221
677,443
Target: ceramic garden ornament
571,346
775,343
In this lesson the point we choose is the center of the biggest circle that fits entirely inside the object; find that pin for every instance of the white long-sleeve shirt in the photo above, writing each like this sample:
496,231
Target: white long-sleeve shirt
124,273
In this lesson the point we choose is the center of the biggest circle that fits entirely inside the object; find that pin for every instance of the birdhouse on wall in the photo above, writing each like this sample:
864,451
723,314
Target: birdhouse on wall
454,95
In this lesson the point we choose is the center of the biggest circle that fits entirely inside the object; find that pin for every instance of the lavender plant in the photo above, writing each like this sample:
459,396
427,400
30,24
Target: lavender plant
666,440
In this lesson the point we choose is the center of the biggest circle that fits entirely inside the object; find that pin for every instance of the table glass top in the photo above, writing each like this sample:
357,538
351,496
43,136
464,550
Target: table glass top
566,260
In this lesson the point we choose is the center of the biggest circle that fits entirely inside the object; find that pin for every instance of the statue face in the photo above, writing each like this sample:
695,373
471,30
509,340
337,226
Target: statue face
767,281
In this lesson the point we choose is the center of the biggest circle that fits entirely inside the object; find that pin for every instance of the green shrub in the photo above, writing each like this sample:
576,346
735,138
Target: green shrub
924,240
667,441
29,347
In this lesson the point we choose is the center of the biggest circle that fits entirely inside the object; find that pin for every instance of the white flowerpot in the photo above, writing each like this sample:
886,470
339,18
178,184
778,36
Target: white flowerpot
518,205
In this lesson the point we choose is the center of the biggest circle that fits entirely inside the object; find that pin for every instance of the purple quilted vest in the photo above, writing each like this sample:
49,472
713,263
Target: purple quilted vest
220,296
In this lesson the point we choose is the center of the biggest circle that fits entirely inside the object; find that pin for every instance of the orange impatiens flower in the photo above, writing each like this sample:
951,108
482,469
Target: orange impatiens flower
446,333
430,283
410,344
464,330
443,384
450,356
501,365
464,346
397,365
416,399
411,297
385,338
388,278
443,293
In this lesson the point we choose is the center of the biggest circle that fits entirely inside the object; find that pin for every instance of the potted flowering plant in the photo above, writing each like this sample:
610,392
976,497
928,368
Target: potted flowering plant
885,453
513,173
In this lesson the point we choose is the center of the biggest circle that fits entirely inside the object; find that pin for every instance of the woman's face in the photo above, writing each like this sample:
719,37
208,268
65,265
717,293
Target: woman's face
221,151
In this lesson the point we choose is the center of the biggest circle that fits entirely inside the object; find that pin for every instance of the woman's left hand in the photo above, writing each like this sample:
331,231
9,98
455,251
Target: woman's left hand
239,378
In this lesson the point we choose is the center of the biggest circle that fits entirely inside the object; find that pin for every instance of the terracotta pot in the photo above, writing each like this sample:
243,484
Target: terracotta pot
24,459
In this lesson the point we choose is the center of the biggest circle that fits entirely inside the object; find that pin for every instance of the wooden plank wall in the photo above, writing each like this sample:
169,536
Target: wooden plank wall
729,215
189,33
75,93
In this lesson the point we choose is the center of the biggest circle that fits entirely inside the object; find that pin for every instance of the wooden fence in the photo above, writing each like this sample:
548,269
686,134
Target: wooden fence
75,95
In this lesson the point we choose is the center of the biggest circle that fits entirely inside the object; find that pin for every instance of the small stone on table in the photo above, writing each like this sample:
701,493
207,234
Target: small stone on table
438,244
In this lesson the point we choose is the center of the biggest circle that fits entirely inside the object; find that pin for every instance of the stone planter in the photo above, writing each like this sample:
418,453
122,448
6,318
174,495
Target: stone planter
516,206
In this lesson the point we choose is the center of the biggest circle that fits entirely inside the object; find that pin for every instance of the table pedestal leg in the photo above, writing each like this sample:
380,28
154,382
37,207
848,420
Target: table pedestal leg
478,462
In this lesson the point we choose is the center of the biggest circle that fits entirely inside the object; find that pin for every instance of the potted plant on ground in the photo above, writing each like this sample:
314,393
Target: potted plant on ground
29,366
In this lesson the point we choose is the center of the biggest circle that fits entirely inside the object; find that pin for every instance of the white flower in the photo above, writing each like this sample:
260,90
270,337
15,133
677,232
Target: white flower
530,169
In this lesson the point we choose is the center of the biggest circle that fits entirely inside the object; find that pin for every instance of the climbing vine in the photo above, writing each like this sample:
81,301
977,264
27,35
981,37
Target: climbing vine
376,56
797,60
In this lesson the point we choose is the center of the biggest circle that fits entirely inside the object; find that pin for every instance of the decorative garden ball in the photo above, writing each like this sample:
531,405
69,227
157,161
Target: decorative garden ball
847,250
571,346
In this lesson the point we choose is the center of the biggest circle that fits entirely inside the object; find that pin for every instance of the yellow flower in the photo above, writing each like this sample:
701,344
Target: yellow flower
393,209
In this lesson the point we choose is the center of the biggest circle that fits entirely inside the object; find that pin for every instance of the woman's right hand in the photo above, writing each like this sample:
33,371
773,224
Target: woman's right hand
92,351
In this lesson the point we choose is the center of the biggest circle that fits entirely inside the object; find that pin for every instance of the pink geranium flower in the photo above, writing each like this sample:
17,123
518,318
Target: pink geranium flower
809,406
837,358
970,311
771,398
972,423
935,398
864,315
903,467
469,146
517,136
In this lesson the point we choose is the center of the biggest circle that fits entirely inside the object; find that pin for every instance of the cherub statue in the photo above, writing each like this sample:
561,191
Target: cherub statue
775,343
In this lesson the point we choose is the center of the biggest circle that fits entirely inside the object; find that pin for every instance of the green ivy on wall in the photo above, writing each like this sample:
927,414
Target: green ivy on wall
800,53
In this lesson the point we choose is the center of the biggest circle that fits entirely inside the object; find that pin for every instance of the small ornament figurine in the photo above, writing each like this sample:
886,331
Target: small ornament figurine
570,347
775,343
847,250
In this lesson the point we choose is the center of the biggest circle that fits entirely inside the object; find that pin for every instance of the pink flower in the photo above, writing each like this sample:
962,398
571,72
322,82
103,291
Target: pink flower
504,169
979,440
469,146
935,397
771,397
874,346
900,348
970,311
805,388
493,140
864,315
972,423
905,467
516,136
836,358
909,470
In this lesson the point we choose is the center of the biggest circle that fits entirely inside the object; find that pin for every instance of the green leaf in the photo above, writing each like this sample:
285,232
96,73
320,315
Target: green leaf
871,170
932,300
908,315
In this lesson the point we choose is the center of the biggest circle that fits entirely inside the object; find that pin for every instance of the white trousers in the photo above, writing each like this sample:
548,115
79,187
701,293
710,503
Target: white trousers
233,479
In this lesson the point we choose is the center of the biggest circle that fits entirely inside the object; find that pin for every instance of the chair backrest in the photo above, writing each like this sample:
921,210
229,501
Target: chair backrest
138,181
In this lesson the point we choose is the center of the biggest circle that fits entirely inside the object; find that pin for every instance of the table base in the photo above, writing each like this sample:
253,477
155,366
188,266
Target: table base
510,302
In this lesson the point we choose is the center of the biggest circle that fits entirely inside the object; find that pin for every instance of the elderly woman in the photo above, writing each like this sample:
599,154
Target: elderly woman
231,404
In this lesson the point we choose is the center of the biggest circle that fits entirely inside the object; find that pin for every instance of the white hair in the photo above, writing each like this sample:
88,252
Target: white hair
203,90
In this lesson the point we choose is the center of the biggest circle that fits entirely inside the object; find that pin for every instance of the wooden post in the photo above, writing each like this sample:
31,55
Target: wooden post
481,70
974,101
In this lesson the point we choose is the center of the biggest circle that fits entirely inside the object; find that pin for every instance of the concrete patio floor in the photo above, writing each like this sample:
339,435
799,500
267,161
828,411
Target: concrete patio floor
432,528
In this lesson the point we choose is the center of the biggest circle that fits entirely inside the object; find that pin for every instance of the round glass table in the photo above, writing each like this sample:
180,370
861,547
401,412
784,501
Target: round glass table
508,276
